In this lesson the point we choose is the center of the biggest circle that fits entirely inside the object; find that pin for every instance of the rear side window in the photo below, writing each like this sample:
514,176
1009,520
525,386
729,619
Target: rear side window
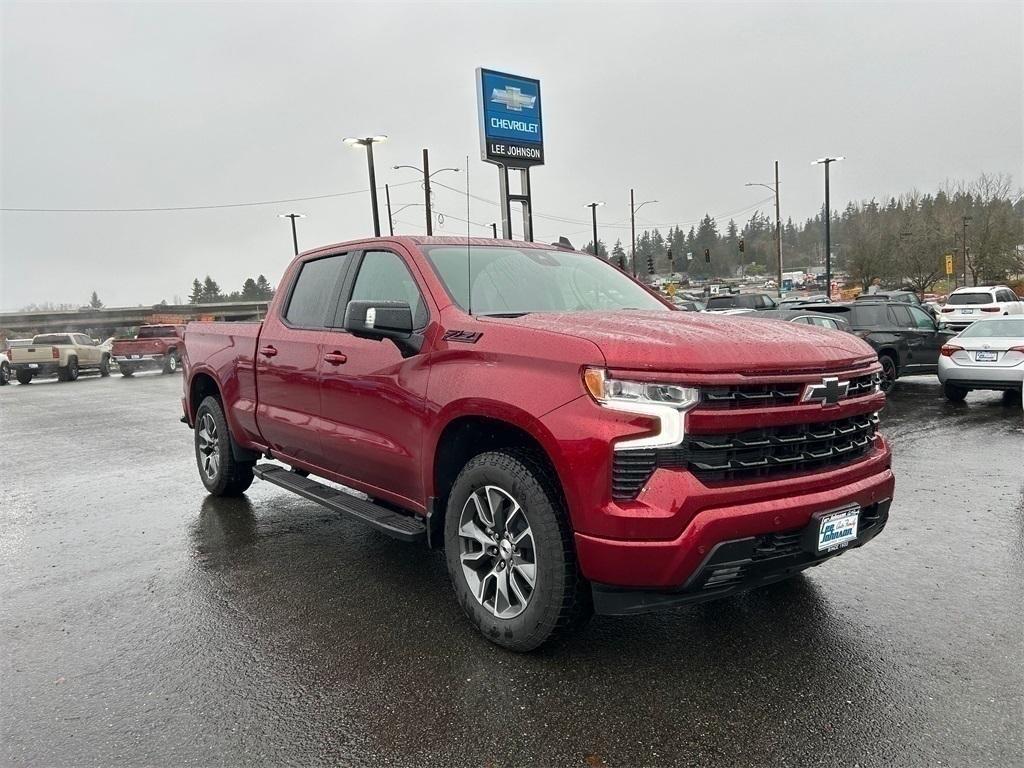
870,316
721,302
314,292
901,317
1007,295
921,319
383,276
973,297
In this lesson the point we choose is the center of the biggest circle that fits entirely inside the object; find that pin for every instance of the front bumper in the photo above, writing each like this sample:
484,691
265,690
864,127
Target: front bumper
738,565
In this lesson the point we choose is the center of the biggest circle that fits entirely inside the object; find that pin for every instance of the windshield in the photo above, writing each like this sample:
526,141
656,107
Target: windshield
52,338
976,297
513,281
1012,327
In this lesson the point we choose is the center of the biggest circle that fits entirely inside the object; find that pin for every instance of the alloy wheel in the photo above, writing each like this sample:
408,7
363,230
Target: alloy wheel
209,448
497,551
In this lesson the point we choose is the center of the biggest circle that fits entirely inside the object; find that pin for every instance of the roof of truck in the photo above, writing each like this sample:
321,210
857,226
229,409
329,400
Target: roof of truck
417,240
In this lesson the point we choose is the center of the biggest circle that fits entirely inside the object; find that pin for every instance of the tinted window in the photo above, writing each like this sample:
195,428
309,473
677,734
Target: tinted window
921,318
824,322
973,297
1007,295
52,338
383,276
901,317
314,292
509,280
156,331
722,302
870,316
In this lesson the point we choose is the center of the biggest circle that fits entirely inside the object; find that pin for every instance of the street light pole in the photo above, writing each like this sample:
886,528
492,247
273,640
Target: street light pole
633,208
295,237
368,142
827,161
778,222
593,214
494,229
387,198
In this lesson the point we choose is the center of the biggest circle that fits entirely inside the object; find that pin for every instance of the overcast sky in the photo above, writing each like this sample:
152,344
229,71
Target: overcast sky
147,105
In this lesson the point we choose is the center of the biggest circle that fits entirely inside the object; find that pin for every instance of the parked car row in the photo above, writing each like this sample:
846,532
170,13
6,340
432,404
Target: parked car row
69,354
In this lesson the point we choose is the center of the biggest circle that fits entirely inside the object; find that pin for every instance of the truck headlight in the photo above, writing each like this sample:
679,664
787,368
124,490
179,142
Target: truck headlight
667,403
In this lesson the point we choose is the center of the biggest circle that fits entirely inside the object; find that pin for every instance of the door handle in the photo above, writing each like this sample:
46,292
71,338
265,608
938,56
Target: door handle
268,351
335,358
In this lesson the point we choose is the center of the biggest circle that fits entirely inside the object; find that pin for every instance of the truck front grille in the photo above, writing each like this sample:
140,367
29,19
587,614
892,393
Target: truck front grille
749,455
760,395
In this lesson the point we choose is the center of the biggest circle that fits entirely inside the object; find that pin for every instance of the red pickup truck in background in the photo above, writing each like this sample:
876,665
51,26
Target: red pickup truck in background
572,442
154,346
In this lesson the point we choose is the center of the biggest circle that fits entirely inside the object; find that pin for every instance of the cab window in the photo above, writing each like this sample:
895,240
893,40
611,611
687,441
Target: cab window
921,319
314,293
383,276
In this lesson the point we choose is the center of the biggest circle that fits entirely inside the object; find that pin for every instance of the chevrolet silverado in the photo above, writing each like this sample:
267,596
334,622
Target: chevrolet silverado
64,354
573,443
154,346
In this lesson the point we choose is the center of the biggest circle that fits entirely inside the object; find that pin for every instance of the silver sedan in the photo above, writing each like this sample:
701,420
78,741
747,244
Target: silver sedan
988,354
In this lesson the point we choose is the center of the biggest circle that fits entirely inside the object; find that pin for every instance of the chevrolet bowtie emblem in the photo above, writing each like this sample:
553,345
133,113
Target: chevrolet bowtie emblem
827,393
512,98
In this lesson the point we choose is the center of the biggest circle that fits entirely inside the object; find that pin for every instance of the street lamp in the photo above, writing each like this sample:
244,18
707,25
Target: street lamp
293,217
391,221
427,176
633,208
778,224
827,161
368,142
964,243
593,213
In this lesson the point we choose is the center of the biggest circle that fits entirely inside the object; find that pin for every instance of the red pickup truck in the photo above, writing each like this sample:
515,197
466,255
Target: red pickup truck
572,442
154,346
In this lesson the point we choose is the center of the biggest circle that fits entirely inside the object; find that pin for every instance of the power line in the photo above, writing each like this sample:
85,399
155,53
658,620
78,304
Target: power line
198,207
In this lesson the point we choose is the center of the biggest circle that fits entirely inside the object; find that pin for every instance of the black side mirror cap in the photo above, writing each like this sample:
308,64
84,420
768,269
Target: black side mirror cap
383,320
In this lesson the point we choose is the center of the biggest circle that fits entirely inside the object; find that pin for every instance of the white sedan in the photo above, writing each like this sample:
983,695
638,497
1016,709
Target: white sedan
988,354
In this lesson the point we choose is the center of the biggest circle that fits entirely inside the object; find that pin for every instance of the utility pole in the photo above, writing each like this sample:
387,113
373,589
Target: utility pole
494,229
593,214
295,237
387,198
964,241
426,191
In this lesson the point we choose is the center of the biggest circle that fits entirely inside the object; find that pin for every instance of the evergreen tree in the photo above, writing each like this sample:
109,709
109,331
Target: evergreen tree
263,289
211,291
250,292
94,301
619,255
197,292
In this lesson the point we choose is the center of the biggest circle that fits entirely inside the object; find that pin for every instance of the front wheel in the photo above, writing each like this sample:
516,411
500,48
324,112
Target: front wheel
221,473
510,552
889,373
5,374
954,393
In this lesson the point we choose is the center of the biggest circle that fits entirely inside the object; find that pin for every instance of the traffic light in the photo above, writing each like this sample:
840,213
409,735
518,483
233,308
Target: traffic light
707,255
650,264
671,263
741,245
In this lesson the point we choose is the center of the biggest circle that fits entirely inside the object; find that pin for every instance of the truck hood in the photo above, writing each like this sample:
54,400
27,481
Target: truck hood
694,342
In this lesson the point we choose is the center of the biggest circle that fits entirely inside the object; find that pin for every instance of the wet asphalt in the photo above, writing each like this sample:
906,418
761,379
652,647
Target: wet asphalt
143,622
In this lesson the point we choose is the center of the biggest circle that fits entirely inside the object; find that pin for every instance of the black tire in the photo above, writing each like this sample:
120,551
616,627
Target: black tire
105,366
954,393
229,477
5,374
560,601
126,371
889,373
68,372
24,377
171,362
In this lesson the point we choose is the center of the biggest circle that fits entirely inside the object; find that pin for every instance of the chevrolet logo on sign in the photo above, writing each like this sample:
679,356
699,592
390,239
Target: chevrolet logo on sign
512,98
827,393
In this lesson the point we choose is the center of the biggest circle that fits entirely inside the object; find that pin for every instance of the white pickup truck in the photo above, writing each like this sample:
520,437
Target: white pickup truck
64,354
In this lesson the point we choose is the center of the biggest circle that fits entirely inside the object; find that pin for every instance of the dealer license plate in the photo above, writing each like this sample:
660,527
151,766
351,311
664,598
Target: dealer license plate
983,356
33,365
966,311
135,357
837,529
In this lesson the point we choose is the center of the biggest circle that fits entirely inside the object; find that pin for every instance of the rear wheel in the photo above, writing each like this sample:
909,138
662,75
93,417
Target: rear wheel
954,393
5,374
24,377
221,473
171,362
889,373
105,366
126,371
68,372
510,552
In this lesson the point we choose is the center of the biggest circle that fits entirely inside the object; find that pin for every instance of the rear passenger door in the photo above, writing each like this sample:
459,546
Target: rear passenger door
288,359
372,398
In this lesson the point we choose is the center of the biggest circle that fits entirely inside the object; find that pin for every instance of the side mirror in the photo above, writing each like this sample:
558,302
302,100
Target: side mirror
381,320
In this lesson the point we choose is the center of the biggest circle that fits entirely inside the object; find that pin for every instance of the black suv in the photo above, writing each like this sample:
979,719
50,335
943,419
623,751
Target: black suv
906,337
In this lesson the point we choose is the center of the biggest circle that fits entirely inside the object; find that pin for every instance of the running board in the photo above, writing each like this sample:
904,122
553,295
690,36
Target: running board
404,527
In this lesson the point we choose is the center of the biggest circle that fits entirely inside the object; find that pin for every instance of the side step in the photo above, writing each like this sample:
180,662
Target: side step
404,527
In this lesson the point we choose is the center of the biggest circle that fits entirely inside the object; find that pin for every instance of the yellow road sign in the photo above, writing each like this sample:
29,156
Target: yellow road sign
949,264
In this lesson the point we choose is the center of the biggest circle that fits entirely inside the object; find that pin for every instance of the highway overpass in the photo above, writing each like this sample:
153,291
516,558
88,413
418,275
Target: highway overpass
108,319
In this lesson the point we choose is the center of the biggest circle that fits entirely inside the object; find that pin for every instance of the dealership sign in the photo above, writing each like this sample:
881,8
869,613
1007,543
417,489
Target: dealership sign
511,132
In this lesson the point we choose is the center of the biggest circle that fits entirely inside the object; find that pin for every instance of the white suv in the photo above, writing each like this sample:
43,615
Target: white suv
965,305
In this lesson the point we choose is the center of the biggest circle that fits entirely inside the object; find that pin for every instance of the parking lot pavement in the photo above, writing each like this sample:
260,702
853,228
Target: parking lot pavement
145,623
